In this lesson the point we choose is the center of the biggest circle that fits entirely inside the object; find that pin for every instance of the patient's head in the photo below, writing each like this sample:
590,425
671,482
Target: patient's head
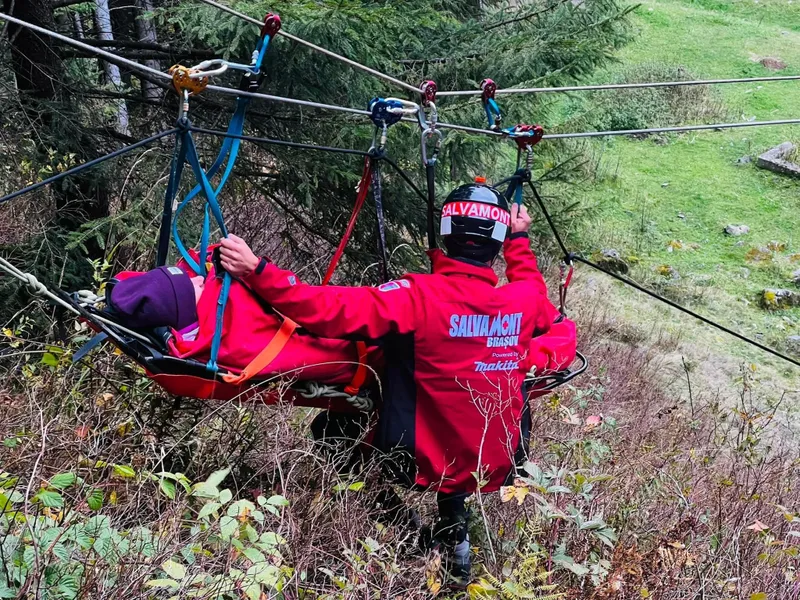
163,297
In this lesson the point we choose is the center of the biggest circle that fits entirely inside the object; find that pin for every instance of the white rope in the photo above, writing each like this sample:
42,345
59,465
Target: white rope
37,288
315,390
622,86
316,48
233,92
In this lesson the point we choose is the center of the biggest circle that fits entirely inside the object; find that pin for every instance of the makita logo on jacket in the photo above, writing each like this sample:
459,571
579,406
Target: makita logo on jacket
455,348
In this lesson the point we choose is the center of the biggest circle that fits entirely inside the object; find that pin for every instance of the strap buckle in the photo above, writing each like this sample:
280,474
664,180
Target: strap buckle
566,269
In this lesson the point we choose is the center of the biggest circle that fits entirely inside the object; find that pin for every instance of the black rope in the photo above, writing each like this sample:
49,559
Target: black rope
430,179
377,194
569,256
540,202
261,140
88,165
689,312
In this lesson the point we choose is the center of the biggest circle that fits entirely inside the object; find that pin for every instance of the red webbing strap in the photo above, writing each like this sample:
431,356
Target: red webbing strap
266,356
281,338
363,190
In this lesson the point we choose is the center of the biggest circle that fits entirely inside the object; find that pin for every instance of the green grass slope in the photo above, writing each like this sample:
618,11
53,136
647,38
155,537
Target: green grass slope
667,200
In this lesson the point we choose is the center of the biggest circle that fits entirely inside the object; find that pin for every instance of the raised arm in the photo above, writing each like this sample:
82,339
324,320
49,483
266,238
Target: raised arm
327,311
521,263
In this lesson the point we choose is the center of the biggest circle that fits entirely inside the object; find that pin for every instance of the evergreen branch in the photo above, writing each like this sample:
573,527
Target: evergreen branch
519,19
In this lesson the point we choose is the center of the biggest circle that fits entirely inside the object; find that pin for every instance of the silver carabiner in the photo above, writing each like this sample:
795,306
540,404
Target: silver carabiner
428,133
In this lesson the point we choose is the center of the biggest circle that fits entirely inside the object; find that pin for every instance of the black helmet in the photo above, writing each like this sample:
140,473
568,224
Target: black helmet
475,221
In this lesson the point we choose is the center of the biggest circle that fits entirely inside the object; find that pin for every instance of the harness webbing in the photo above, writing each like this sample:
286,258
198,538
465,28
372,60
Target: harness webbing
186,151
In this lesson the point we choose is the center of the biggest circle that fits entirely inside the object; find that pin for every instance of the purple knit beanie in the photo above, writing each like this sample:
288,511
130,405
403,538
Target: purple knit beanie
163,297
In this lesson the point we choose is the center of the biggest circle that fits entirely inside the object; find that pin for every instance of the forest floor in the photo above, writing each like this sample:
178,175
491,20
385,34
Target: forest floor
664,201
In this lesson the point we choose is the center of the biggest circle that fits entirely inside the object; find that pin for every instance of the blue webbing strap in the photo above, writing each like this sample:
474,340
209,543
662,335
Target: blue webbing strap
228,154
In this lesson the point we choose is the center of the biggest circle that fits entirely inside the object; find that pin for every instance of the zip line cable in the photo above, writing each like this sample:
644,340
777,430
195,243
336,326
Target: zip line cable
621,86
571,256
135,66
111,57
316,48
535,90
88,165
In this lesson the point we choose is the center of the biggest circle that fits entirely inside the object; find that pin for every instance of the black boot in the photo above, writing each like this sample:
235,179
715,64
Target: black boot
451,539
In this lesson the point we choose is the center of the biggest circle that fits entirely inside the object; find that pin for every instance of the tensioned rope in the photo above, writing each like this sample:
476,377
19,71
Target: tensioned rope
533,90
39,288
133,65
570,256
623,86
316,48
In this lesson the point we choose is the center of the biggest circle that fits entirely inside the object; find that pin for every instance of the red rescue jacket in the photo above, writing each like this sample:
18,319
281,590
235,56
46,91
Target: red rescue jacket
456,351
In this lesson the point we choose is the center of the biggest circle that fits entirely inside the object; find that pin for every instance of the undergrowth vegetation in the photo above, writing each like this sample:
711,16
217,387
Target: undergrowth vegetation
636,487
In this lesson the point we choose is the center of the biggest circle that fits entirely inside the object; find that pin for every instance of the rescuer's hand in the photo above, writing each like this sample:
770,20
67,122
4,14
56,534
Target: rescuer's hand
520,220
236,256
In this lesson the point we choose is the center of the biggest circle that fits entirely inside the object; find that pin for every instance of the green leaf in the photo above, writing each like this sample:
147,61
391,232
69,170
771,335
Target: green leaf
124,471
253,591
277,501
208,509
217,477
61,552
69,586
49,499
265,574
11,442
254,555
167,488
163,583
94,499
356,487
174,569
228,526
63,480
558,489
239,507
5,503
758,596
49,359
225,496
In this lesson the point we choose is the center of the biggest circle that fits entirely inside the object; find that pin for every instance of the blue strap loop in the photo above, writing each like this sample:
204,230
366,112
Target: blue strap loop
229,151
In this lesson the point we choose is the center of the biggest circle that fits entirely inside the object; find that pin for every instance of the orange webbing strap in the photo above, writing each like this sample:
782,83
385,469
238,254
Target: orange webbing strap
361,371
266,356
278,343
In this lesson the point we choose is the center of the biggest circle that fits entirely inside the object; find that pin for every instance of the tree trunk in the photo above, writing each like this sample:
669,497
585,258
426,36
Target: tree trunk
113,76
147,33
36,78
78,25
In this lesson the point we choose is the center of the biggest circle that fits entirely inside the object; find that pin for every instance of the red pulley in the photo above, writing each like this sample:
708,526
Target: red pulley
272,25
527,135
489,87
429,90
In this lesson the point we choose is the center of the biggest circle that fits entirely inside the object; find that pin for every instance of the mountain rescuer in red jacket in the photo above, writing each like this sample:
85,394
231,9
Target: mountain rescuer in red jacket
454,415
